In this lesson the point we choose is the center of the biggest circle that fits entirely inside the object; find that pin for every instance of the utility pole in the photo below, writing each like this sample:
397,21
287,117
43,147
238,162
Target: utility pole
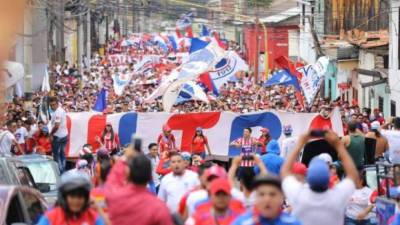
88,44
257,44
60,57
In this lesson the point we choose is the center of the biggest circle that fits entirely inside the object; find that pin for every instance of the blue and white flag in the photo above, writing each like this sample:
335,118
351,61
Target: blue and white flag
201,60
120,81
226,69
184,21
312,78
146,63
282,77
191,91
46,81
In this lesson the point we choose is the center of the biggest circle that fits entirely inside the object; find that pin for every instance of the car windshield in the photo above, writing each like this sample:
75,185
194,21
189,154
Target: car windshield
43,174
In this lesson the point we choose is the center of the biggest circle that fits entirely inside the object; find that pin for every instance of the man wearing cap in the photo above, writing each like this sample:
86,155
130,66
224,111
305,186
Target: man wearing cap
201,196
314,202
268,205
393,137
166,140
221,209
289,142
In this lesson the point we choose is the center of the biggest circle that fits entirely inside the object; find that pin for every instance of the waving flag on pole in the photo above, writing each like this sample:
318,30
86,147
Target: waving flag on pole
197,44
226,69
287,65
174,42
283,77
185,23
46,82
191,91
201,61
146,63
120,81
204,30
101,101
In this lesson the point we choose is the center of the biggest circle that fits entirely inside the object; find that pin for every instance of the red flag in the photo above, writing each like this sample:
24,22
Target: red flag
220,43
178,33
189,31
286,64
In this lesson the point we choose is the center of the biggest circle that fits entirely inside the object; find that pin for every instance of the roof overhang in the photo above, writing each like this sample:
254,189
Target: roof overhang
374,83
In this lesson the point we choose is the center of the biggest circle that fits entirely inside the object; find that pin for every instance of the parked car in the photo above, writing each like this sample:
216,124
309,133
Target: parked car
20,205
45,174
14,172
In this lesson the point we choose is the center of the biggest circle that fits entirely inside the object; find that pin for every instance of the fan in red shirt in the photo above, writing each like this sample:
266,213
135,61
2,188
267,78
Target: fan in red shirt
109,139
263,140
200,143
221,209
166,140
42,140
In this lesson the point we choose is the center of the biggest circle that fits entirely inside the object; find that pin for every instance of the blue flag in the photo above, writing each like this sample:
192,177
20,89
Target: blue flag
197,44
282,77
204,31
101,101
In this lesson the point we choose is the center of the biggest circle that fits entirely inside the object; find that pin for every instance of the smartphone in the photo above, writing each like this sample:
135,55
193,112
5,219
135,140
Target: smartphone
317,133
137,143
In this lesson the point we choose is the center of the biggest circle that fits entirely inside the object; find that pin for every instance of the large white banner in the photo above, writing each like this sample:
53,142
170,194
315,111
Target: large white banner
220,127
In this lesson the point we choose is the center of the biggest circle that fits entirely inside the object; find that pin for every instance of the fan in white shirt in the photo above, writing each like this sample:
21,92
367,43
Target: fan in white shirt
359,206
175,184
313,202
393,137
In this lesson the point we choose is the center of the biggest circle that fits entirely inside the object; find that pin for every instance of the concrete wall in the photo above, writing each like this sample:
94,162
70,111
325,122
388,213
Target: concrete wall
306,46
369,96
394,71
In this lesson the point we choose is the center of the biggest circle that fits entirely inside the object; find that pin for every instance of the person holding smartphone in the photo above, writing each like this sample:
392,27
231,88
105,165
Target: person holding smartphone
314,201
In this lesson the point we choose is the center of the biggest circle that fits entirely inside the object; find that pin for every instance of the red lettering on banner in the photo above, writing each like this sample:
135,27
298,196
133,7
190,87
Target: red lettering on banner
188,123
96,125
69,123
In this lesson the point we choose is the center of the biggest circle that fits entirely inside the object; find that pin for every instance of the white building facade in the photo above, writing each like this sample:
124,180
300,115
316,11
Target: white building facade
394,61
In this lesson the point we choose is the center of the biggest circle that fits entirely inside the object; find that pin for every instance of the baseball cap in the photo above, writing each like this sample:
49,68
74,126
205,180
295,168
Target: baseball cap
166,128
267,180
186,156
318,175
215,171
45,130
326,158
220,185
299,168
199,129
375,125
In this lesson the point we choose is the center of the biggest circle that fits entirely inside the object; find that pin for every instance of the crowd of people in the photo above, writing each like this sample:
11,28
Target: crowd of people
261,186
270,182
